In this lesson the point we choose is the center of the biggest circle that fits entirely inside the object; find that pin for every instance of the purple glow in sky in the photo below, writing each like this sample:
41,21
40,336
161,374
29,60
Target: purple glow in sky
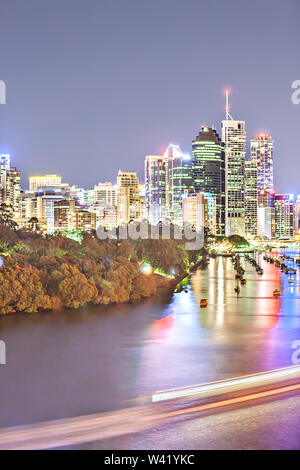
95,85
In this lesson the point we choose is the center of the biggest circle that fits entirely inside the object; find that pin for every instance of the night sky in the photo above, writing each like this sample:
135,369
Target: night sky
95,85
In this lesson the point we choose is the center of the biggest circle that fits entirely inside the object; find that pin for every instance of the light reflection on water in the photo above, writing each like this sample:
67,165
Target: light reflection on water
95,359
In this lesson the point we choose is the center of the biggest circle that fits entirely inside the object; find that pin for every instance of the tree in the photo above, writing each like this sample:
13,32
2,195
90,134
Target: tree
6,217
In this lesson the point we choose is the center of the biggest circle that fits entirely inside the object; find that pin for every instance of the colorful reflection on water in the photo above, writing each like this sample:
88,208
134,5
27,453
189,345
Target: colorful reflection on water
95,359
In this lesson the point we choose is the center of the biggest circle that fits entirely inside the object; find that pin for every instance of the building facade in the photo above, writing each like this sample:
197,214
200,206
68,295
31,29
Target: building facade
209,171
284,216
234,138
128,200
36,182
11,190
156,188
251,198
262,148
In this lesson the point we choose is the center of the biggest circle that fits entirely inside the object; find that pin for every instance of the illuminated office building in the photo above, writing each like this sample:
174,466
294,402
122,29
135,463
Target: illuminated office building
45,203
179,181
105,192
106,214
266,222
251,198
209,171
11,189
46,181
4,162
85,220
128,202
234,137
199,211
265,198
284,216
265,214
80,195
262,153
297,216
156,187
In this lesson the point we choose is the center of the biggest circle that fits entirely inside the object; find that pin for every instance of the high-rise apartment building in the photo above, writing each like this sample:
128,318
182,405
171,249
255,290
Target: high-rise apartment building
64,215
251,198
45,204
284,216
199,211
167,178
234,138
297,216
11,189
156,187
128,200
85,220
266,222
179,181
262,148
265,214
209,171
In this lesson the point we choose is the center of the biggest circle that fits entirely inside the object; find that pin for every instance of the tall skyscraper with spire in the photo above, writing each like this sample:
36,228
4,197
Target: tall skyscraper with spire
234,138
209,171
262,147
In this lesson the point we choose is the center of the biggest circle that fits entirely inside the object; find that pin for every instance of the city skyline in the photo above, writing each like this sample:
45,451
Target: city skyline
60,112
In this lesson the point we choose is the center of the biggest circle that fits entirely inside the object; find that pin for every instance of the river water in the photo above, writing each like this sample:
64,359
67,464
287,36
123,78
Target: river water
96,359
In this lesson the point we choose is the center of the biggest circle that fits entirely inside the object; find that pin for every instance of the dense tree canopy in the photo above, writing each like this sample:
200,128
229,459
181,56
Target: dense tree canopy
52,272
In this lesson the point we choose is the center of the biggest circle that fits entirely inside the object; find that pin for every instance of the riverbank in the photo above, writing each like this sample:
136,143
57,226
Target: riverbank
50,273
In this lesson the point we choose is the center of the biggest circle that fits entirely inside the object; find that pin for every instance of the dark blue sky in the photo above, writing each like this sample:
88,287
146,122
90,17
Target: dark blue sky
95,85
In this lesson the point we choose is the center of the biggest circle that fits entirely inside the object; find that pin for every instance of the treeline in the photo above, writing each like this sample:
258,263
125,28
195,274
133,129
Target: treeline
44,273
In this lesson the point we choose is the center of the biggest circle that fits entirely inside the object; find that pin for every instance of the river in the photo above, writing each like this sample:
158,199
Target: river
96,359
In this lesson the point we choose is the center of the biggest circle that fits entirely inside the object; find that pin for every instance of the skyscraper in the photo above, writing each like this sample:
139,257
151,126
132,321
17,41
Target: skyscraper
297,216
179,181
167,178
156,187
11,189
128,207
234,137
251,202
266,214
209,171
262,153
284,216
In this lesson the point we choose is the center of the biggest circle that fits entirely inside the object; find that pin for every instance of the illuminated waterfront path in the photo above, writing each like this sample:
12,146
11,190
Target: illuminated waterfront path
78,363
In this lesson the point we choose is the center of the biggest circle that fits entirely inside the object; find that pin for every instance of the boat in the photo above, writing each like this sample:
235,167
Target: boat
203,303
237,289
238,276
243,281
276,293
290,281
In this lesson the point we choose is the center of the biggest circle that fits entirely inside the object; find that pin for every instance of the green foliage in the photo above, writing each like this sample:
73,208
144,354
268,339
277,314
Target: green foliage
237,240
53,272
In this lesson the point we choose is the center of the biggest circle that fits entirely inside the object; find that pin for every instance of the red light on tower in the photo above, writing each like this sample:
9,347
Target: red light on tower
227,106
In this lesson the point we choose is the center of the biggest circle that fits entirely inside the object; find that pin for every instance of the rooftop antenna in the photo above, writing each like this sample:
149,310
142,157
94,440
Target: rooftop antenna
227,107
227,154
